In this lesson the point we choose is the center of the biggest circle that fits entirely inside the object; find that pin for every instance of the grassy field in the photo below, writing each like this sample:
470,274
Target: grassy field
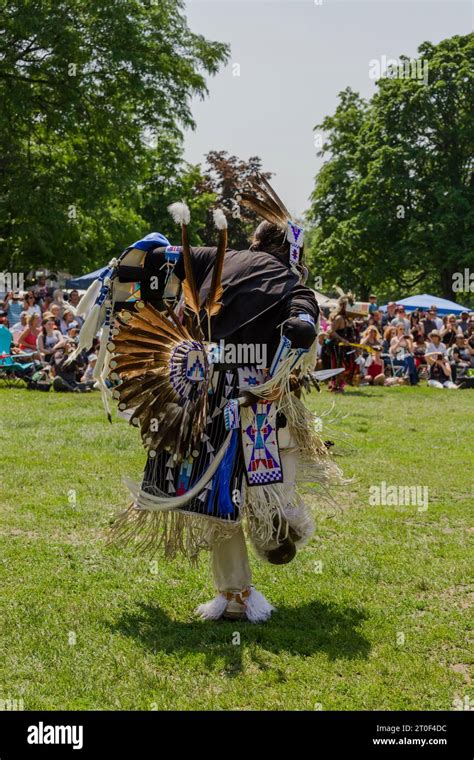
372,615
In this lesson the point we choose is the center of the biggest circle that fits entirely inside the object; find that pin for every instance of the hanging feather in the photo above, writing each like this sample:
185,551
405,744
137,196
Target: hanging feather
213,303
181,215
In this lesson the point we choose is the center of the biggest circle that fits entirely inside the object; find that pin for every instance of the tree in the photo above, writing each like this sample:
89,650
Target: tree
223,177
168,179
87,90
393,205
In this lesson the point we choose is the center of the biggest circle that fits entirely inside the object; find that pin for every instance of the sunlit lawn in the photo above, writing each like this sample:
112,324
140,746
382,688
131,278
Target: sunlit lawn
373,614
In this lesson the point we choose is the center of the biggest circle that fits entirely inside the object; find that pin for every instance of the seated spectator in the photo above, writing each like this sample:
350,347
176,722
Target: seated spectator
419,350
66,320
41,290
373,304
463,322
377,319
58,299
73,331
435,346
462,346
470,342
30,305
14,306
401,320
46,303
374,370
66,375
48,339
416,325
17,329
449,333
55,313
389,314
439,322
458,363
440,374
28,338
74,298
389,333
4,320
401,349
371,337
429,322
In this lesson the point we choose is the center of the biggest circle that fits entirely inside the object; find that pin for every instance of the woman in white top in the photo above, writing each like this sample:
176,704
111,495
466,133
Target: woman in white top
49,339
30,305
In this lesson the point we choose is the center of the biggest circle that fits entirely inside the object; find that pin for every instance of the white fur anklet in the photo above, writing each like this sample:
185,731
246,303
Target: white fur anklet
256,608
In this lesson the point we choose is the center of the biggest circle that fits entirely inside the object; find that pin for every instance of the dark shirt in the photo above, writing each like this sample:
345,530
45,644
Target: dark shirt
437,373
260,294
429,325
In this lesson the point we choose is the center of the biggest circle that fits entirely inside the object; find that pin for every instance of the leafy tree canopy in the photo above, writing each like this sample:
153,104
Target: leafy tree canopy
393,204
90,92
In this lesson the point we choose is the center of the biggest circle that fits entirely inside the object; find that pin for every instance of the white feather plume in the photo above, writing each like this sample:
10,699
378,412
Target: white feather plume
220,219
180,213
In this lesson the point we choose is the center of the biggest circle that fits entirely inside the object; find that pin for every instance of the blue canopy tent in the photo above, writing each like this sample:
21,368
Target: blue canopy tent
83,282
424,301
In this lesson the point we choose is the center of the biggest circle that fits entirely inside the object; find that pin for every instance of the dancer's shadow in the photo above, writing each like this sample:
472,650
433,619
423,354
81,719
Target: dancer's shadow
304,630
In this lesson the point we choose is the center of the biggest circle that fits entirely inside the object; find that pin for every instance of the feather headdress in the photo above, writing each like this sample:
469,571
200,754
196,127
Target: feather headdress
264,201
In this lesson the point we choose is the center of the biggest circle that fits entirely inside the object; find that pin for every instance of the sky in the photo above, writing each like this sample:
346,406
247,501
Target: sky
289,60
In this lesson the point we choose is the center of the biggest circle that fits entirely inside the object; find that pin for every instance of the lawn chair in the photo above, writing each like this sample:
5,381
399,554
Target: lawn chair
392,369
13,373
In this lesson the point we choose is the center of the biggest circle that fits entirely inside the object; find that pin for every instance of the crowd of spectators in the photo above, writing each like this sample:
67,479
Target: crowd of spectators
43,331
391,347
398,347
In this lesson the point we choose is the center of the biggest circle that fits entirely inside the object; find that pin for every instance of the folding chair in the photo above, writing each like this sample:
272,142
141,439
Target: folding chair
13,373
392,369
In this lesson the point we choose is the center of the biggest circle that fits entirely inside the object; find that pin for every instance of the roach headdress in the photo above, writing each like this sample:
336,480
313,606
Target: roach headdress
261,198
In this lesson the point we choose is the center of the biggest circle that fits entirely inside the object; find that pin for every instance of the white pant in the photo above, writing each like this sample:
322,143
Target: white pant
447,384
230,562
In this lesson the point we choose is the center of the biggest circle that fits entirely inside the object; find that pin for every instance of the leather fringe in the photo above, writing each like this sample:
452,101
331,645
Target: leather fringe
173,531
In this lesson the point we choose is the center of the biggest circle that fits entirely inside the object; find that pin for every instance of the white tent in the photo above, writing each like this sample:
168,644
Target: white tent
329,303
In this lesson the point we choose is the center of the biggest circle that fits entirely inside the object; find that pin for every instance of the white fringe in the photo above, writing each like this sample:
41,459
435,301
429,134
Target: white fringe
89,330
89,298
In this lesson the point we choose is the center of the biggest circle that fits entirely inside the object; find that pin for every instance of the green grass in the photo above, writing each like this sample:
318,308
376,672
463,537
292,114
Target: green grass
383,626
